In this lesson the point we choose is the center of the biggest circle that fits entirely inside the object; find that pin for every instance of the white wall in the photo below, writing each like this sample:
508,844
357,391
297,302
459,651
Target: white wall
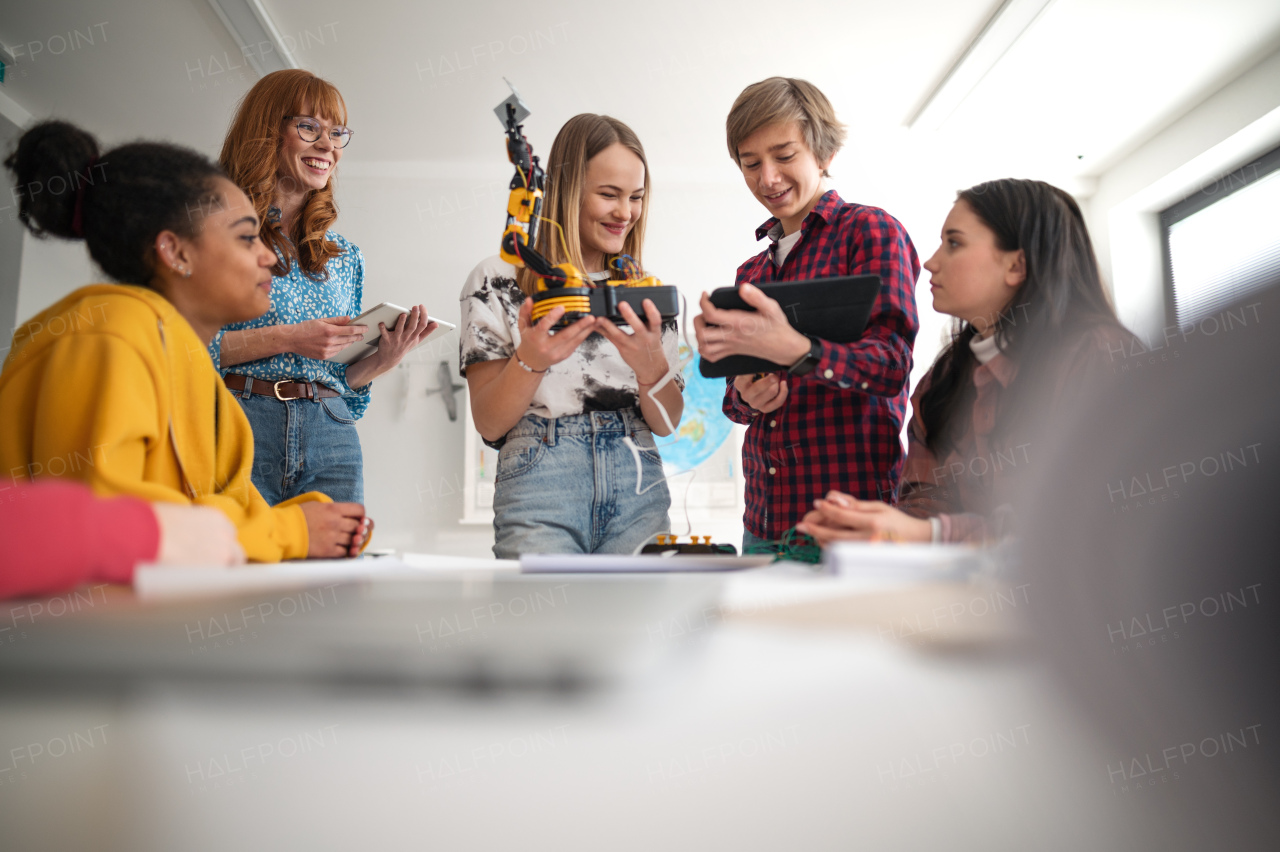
11,237
52,268
1228,129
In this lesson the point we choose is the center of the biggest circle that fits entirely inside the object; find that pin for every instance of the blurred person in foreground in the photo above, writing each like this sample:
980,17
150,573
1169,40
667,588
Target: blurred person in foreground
58,535
1150,546
1016,268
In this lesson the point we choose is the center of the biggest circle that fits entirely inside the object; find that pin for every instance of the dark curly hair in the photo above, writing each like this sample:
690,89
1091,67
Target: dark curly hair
116,202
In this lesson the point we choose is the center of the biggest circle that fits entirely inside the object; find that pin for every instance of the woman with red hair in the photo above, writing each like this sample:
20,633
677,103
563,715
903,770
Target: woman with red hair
283,146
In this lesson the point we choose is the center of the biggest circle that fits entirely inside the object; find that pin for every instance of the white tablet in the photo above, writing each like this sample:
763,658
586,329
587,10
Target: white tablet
384,313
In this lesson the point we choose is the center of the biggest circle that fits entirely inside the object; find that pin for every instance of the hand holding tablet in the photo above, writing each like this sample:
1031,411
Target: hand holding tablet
835,309
388,314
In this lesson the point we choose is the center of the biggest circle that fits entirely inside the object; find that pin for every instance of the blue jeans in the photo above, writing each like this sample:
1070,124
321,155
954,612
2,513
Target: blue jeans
301,446
568,485
750,539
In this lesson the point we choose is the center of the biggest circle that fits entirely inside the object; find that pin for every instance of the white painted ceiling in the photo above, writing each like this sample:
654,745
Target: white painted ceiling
1088,82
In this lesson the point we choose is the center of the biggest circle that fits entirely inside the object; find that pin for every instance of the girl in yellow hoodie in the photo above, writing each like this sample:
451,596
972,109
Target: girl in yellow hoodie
113,385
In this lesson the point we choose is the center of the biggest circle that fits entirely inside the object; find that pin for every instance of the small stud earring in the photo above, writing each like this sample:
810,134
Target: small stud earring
186,273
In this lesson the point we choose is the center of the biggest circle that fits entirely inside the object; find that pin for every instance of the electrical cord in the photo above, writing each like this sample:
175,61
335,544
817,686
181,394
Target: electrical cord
793,546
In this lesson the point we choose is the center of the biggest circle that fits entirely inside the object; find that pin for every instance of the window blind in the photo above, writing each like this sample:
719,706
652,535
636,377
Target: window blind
1227,248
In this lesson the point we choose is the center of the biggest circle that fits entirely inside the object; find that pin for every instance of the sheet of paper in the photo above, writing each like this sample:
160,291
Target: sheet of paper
551,563
152,582
439,562
155,582
899,562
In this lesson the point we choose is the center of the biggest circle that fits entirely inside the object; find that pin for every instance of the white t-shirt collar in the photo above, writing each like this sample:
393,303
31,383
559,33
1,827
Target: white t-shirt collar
984,348
782,245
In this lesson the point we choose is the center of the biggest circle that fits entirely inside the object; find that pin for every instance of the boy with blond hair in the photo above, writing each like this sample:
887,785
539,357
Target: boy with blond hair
832,420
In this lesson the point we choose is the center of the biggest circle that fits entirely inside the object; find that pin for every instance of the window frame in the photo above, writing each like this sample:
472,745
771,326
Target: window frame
1207,196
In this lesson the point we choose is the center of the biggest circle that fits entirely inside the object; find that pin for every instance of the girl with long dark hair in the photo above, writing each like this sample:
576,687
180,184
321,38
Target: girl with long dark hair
1017,269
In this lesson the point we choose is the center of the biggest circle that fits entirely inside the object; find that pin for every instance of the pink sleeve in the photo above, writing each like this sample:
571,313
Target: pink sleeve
55,535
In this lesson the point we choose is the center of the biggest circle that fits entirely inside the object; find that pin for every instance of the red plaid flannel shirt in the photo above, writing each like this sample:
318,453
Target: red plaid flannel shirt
840,426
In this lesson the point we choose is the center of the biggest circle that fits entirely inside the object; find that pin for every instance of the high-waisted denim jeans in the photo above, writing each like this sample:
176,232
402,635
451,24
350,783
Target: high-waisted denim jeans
301,446
569,485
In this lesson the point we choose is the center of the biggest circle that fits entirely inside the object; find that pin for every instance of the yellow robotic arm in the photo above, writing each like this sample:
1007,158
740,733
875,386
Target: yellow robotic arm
561,284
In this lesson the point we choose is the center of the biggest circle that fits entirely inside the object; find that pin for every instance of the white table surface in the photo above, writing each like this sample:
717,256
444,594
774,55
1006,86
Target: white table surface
752,735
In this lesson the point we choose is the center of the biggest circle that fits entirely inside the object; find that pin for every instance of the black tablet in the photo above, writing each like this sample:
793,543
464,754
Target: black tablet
835,309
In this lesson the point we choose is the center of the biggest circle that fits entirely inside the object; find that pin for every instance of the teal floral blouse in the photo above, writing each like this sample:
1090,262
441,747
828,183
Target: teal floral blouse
297,298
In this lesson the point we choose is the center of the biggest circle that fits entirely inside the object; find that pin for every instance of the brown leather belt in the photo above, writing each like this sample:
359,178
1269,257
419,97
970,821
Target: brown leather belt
282,390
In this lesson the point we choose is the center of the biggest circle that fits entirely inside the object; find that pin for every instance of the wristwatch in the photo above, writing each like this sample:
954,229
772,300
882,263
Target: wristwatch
808,360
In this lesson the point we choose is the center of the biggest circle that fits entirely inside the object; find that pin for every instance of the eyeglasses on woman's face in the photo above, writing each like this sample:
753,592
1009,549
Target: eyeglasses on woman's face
309,130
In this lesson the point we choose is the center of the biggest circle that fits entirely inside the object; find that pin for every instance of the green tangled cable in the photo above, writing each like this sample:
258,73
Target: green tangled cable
793,546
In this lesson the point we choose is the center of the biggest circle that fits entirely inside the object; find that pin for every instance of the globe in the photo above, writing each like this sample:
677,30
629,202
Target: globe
703,428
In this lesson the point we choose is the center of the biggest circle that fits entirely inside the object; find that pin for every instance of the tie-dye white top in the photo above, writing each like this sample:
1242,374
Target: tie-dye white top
593,378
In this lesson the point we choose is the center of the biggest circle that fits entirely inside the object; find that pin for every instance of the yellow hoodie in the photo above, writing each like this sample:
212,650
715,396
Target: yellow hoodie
112,387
